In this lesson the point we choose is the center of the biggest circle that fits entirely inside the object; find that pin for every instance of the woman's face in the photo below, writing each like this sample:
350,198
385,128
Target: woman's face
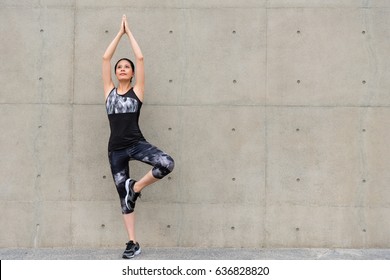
124,71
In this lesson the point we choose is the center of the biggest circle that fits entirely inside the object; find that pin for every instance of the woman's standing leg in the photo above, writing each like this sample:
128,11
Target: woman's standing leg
162,164
119,162
129,220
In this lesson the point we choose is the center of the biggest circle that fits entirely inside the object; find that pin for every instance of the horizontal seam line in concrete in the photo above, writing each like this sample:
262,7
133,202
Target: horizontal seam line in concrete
231,7
209,105
218,203
86,7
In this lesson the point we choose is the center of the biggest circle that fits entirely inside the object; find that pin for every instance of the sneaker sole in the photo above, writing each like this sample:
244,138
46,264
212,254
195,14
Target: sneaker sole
127,187
136,253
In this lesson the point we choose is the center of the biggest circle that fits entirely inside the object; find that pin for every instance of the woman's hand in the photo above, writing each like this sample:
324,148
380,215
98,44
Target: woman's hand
122,28
126,25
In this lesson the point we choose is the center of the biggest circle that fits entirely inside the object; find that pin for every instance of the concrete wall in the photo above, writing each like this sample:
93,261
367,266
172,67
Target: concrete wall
276,112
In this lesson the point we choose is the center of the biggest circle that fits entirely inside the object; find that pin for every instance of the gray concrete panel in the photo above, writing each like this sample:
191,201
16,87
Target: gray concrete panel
174,4
52,226
225,72
91,170
293,225
36,140
53,144
97,223
159,223
222,225
327,57
231,139
57,55
36,172
42,71
19,158
328,3
378,227
20,64
37,224
39,3
314,156
375,156
17,223
161,126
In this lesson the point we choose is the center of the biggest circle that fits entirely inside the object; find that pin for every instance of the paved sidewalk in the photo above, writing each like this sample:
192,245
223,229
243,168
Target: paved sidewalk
194,254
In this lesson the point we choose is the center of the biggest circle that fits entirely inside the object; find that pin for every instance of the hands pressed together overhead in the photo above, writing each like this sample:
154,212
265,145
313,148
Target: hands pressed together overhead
124,28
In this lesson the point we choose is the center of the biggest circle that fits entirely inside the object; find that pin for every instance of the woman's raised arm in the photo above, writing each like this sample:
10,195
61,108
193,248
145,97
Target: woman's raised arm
139,86
106,73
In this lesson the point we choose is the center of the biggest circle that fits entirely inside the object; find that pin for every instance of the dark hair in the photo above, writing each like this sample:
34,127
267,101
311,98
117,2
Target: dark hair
128,60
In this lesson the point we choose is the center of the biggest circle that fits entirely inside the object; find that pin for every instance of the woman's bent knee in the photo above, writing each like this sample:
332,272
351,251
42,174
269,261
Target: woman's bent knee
164,167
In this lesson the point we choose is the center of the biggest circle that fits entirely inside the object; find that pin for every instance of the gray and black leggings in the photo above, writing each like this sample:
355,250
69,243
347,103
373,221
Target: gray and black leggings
162,164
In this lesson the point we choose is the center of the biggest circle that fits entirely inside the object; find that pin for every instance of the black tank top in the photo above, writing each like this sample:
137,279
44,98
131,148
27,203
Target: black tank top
123,114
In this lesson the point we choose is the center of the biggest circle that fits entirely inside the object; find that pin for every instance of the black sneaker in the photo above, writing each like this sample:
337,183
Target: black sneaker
131,195
132,250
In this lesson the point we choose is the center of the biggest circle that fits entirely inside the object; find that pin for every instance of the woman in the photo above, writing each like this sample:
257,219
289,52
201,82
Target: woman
123,104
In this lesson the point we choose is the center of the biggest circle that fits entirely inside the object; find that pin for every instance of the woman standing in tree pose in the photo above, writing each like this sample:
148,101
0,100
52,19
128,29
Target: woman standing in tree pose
123,104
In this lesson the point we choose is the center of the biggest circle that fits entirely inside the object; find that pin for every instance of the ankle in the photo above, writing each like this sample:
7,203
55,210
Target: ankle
137,188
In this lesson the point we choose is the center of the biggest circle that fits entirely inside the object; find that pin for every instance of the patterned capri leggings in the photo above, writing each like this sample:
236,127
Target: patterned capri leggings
162,164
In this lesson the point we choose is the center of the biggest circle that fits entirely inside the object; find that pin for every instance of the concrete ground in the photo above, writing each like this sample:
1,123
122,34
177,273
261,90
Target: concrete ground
194,254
